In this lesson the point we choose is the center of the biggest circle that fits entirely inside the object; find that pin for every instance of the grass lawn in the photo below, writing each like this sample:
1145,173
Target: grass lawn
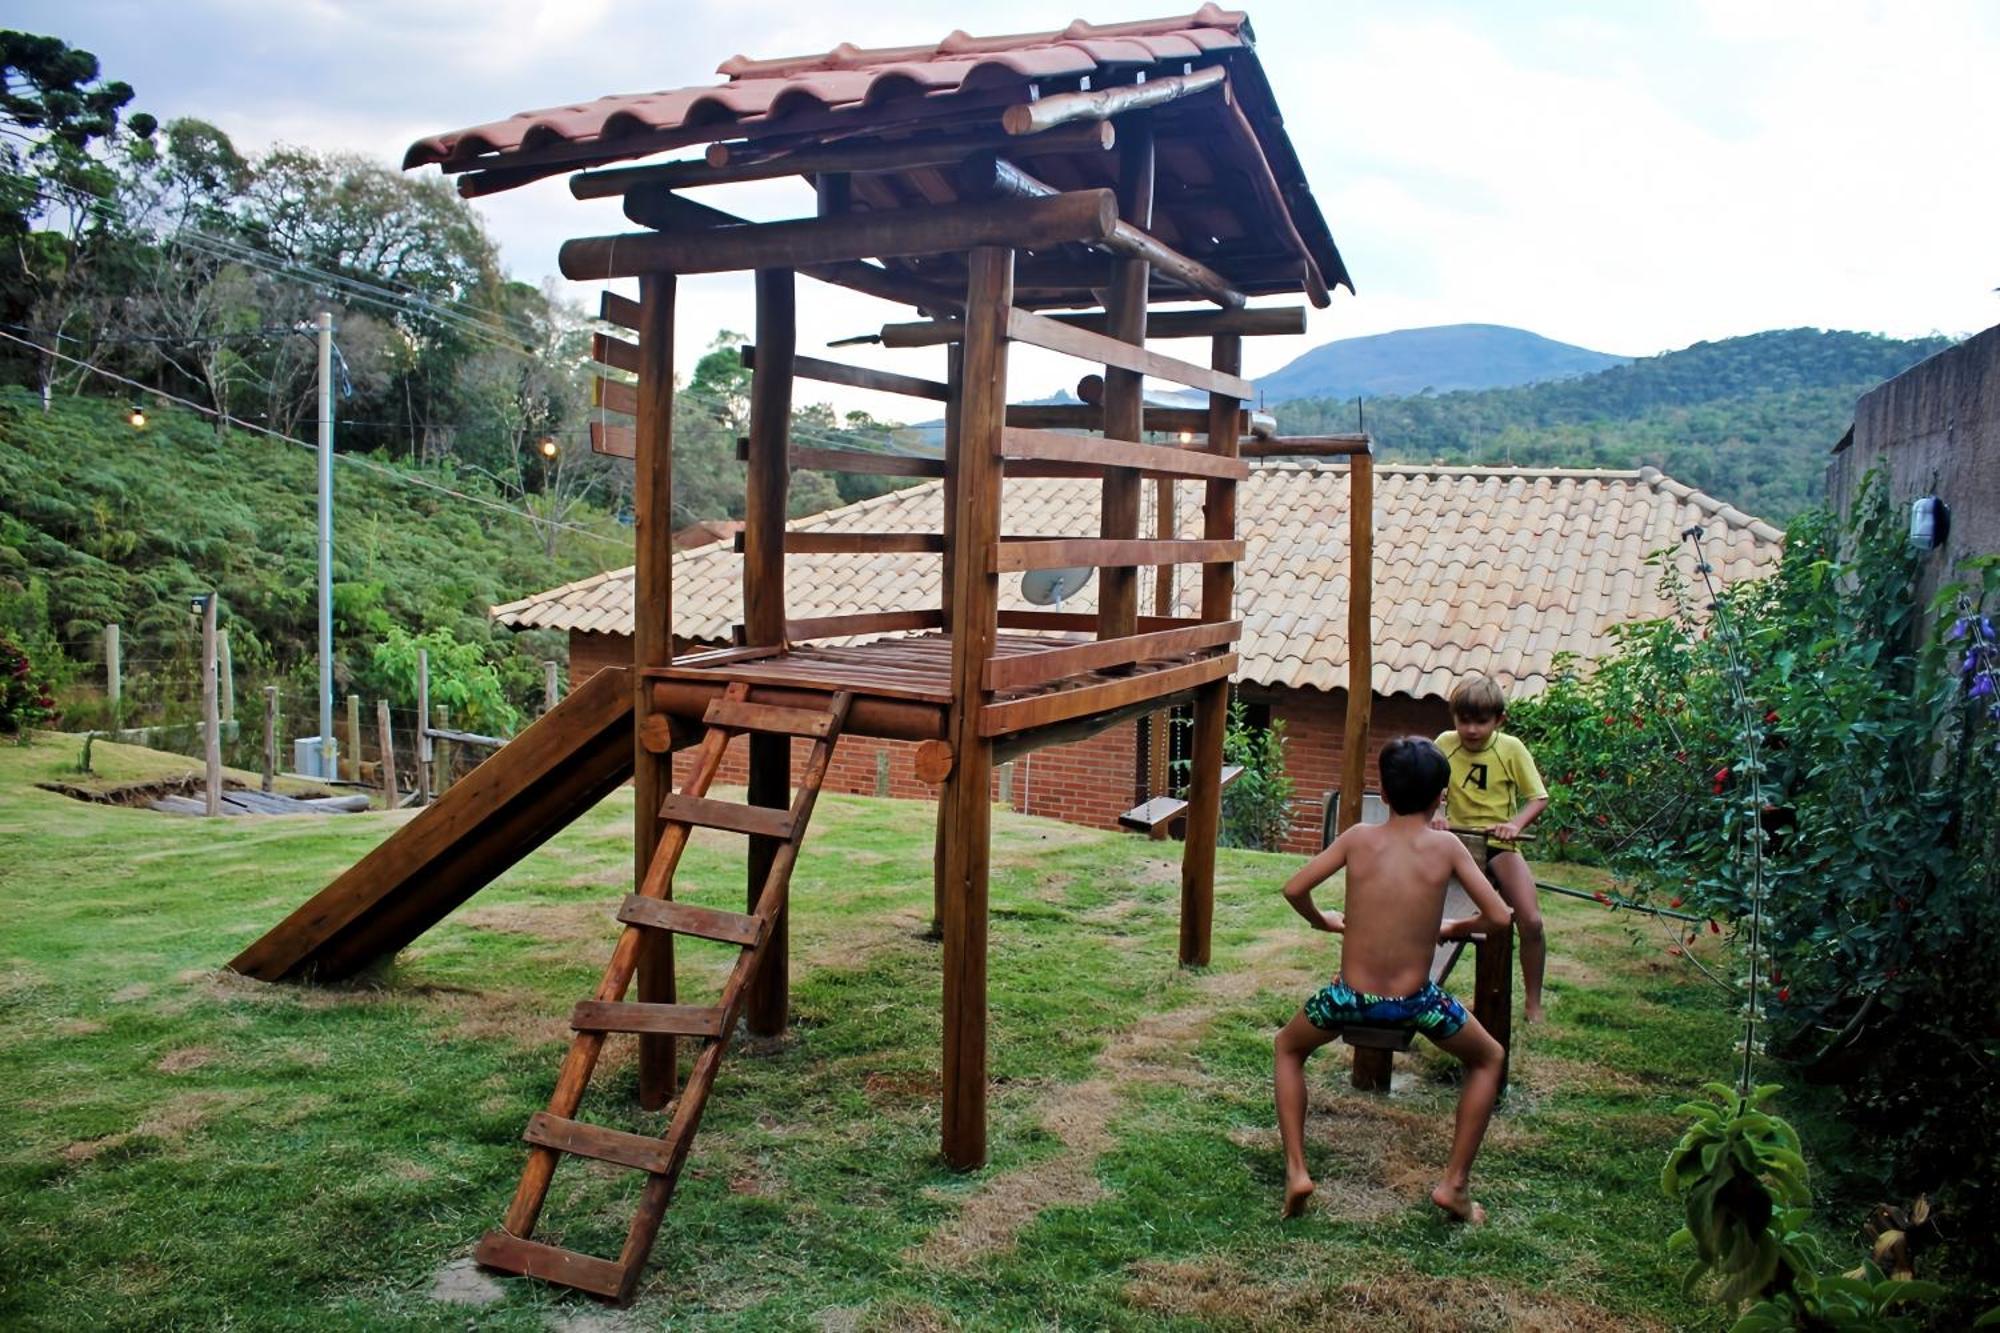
185,1149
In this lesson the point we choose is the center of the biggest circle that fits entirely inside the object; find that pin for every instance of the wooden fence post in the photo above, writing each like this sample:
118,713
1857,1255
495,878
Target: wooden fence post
228,676
114,683
211,720
389,792
424,780
270,737
353,738
551,683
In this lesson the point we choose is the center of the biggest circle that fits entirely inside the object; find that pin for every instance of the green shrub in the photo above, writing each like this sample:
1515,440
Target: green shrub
24,694
1257,807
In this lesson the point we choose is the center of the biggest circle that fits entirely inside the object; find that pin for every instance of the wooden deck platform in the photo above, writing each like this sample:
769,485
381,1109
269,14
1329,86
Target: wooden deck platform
903,685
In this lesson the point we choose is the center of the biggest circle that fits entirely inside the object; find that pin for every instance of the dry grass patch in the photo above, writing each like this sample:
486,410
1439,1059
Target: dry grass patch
170,1122
185,1059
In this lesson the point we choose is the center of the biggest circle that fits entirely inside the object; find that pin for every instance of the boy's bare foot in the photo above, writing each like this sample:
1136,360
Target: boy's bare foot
1297,1191
1535,1013
1459,1204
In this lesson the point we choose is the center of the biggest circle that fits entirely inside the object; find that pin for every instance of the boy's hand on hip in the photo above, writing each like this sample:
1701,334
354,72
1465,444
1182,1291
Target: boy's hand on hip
1331,922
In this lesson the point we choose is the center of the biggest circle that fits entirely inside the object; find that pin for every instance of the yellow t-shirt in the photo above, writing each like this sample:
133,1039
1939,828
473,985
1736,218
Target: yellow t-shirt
1488,785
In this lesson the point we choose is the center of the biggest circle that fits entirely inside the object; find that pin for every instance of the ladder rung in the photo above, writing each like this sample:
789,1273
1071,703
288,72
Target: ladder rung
738,715
669,1020
762,821
506,1251
686,919
641,1152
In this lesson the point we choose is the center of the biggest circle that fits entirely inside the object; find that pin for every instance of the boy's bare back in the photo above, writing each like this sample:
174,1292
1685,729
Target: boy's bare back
1397,874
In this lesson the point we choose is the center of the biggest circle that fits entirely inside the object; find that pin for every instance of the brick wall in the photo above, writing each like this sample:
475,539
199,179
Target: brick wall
1090,782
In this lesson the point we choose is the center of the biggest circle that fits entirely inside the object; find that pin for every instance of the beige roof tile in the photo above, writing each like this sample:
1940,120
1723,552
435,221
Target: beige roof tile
1494,569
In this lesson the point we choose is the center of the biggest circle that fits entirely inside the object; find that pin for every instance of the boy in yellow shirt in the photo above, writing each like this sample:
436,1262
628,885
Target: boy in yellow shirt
1496,787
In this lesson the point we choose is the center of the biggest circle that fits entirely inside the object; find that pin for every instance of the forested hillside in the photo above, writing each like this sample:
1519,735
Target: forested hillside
1437,360
1750,419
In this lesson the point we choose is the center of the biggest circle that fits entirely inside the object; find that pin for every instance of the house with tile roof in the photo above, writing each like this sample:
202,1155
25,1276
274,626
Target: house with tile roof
1492,569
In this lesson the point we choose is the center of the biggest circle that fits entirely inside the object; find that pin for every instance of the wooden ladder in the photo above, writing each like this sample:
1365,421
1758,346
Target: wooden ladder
556,1131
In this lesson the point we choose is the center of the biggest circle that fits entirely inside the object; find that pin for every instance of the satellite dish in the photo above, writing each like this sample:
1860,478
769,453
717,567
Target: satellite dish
1048,587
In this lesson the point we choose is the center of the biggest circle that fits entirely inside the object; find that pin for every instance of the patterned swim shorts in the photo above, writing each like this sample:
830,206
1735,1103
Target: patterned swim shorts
1430,1011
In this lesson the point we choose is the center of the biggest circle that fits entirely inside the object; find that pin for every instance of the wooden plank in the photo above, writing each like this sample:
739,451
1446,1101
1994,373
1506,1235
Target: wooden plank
1153,814
1249,321
680,1020
620,310
728,816
1104,103
858,377
1024,553
815,542
1041,331
613,440
1022,670
863,622
1155,459
510,1254
865,461
1039,710
652,646
1082,216
641,1152
706,923
723,164
1308,446
1090,416
614,396
617,353
1360,636
767,718
1081,622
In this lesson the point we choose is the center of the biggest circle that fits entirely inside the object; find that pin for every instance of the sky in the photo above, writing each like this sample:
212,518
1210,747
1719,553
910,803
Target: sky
1630,177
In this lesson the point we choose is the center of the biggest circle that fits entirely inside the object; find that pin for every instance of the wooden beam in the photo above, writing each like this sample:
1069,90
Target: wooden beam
865,461
1023,670
653,646
1090,416
1309,446
1158,459
1125,309
613,440
1039,710
817,542
1264,182
862,622
1211,706
667,211
620,310
965,808
1012,556
1041,331
1081,622
616,353
1104,103
767,477
1360,635
857,377
1249,321
614,396
1086,216
724,164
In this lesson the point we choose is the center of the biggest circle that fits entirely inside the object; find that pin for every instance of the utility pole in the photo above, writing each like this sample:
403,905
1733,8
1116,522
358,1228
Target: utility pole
328,750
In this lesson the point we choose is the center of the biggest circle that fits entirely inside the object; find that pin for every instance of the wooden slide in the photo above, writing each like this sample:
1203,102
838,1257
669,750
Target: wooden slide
566,762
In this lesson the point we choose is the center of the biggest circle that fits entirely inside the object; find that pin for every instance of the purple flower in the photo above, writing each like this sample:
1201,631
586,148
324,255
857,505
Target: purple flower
1982,685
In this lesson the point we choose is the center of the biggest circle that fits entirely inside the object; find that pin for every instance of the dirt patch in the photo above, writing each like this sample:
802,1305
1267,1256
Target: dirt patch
1156,872
556,923
1550,1073
461,1283
141,795
171,1122
78,1027
911,1087
185,1059
1227,1296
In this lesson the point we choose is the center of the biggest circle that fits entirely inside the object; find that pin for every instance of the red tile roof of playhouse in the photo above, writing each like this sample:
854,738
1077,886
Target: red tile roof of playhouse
838,92
1478,569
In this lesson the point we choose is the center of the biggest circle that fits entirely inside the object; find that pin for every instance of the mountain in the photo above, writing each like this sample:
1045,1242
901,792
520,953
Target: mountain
1748,419
1440,359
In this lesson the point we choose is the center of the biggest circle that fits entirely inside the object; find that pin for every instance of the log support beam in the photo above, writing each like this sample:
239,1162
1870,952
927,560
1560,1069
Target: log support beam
653,646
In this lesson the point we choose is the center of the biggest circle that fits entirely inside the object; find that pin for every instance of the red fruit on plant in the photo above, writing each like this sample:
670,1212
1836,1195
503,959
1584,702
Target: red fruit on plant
1771,717
1674,902
1713,929
1674,949
1602,897
1784,993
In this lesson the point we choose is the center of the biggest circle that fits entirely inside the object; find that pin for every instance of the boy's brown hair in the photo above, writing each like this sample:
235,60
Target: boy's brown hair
1478,698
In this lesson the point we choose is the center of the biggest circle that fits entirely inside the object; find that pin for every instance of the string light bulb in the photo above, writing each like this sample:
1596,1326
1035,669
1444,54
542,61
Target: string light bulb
138,416
548,446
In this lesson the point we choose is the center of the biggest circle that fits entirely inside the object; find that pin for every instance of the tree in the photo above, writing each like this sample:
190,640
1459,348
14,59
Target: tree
58,195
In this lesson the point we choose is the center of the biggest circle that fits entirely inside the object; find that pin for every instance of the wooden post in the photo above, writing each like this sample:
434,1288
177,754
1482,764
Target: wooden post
228,675
424,782
1493,975
954,414
1124,402
441,718
211,719
653,646
1159,730
966,812
766,484
270,738
114,676
1211,704
388,737
1360,635
551,685
353,738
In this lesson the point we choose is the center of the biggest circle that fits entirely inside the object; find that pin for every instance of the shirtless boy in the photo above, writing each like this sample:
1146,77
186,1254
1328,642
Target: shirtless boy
1396,878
